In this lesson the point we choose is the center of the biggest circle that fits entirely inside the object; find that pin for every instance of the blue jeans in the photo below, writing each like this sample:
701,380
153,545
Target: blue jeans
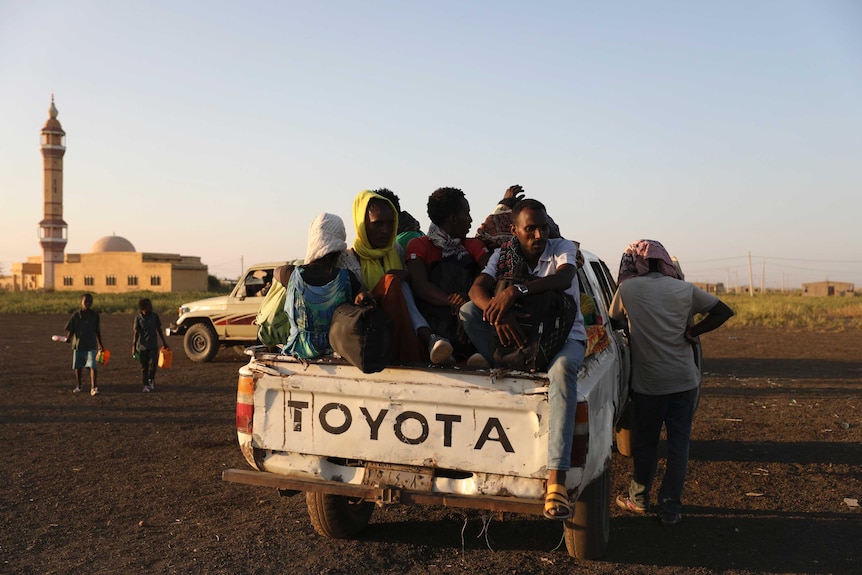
562,389
675,411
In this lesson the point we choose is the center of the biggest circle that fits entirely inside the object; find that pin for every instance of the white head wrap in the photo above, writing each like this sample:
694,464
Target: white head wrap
325,235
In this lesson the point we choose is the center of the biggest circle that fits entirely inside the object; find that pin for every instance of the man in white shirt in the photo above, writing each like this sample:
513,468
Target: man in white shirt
553,264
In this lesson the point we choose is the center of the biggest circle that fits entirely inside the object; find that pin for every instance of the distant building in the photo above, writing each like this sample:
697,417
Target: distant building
828,288
112,266
25,275
716,288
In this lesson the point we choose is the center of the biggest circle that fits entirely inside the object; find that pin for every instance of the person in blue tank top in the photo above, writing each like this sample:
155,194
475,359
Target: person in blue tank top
317,287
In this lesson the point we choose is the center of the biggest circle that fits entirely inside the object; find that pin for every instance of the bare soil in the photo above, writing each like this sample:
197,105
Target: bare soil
127,482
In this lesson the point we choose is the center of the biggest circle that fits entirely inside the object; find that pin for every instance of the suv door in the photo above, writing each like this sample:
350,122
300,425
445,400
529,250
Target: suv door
244,303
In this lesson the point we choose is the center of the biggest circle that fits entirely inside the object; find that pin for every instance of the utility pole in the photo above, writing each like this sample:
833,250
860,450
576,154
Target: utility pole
763,276
750,277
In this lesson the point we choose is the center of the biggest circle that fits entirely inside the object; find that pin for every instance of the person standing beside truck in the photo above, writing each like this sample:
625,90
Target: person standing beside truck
145,342
85,333
660,308
552,263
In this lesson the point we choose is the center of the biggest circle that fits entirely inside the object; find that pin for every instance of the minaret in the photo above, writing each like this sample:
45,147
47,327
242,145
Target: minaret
52,228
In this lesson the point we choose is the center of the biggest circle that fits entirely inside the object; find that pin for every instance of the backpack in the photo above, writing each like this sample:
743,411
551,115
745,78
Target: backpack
273,322
550,316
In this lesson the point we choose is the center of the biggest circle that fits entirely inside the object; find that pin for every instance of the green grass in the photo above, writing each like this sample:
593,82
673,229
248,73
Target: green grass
791,311
70,302
795,311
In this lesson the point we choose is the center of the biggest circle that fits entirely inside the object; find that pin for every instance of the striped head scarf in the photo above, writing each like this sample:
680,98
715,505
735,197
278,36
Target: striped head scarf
635,260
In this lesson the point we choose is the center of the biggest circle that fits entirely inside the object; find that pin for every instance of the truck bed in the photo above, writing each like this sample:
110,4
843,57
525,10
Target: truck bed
471,432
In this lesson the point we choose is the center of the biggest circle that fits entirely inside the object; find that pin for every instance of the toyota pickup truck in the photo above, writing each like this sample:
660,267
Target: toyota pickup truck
206,325
432,435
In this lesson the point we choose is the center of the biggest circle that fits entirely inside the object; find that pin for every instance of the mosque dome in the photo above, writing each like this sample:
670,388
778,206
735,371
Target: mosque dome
112,244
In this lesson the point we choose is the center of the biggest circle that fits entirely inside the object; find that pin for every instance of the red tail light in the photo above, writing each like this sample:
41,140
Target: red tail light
244,404
581,437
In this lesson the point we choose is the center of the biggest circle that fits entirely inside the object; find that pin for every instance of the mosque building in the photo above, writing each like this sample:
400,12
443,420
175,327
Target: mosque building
112,266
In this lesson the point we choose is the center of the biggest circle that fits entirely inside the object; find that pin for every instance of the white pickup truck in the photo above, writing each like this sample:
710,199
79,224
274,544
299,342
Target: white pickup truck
432,435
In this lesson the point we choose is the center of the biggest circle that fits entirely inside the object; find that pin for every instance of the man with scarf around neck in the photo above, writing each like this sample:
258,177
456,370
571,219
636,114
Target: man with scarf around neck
378,261
660,308
442,266
552,262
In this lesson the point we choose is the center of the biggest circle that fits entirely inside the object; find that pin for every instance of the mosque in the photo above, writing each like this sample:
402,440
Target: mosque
112,265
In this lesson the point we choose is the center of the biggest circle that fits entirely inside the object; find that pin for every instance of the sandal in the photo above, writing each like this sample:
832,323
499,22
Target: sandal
557,500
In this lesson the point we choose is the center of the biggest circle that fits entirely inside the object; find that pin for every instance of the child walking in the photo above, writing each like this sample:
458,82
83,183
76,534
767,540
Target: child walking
86,336
148,329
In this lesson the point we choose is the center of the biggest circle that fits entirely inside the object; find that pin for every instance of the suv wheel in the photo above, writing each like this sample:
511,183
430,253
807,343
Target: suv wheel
201,342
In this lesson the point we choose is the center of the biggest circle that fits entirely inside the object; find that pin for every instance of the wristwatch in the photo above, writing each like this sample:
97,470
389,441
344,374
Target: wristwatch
524,290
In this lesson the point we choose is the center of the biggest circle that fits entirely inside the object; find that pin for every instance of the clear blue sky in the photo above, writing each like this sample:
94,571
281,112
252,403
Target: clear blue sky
221,129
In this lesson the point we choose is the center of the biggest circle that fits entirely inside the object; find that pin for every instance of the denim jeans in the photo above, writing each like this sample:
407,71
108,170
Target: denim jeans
562,389
675,411
416,317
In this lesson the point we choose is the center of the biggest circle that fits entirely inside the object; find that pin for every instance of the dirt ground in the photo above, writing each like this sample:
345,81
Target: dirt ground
127,482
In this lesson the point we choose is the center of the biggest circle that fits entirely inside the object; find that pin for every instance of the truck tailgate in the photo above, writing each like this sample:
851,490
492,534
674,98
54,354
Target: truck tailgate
451,420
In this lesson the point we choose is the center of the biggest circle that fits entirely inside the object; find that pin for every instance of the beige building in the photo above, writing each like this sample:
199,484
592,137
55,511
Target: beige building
112,266
716,288
25,275
827,288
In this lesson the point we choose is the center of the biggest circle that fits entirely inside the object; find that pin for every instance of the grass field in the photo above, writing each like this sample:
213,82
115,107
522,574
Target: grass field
795,311
69,302
770,310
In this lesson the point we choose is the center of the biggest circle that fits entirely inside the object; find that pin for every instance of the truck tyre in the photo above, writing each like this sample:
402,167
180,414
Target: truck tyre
201,342
588,531
337,516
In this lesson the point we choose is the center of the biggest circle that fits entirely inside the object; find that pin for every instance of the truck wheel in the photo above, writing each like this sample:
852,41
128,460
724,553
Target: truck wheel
201,342
588,531
337,516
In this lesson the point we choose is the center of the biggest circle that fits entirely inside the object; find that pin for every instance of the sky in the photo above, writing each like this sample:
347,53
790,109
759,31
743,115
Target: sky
729,131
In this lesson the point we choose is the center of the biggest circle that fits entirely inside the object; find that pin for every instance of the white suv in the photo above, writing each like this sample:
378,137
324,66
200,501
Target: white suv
210,323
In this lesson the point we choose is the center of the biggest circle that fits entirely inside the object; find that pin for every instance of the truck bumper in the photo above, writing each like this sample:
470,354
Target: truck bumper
175,329
383,494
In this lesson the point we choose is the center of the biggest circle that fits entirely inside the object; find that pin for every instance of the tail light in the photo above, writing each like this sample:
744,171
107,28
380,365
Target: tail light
581,436
244,404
